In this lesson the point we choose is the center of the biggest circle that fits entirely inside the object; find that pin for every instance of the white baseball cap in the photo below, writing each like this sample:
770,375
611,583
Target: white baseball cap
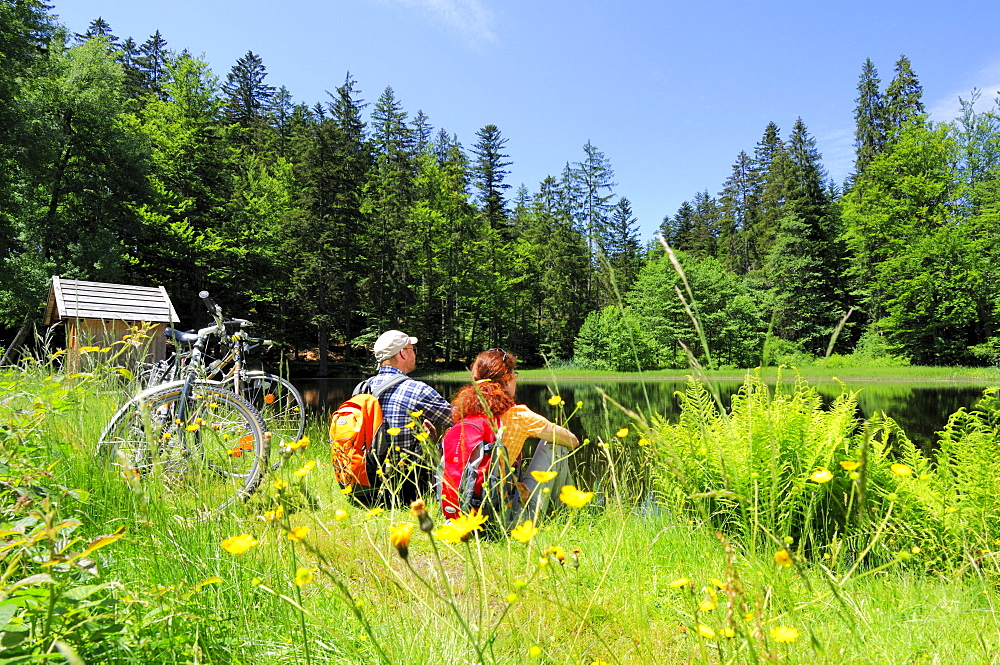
390,343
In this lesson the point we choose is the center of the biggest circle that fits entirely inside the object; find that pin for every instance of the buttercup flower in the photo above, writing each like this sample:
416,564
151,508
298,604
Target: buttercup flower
544,476
393,431
347,490
848,465
900,469
556,400
280,484
717,582
821,476
707,605
306,468
239,544
303,576
622,433
679,582
728,632
298,533
783,558
274,515
574,498
705,631
785,634
375,512
340,515
399,536
524,531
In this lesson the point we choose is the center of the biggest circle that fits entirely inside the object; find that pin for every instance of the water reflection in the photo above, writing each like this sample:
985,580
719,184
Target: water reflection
920,410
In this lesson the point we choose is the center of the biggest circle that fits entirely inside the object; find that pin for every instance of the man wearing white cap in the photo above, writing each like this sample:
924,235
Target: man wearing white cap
406,470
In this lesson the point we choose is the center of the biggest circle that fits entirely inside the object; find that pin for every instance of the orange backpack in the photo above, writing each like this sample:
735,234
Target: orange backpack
354,428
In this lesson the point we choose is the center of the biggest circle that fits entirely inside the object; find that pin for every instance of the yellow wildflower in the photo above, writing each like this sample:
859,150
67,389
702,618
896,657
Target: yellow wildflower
821,476
784,634
298,533
643,441
556,400
239,544
900,469
705,631
306,468
303,576
417,414
193,427
728,632
717,582
679,582
535,651
399,536
558,552
574,498
280,484
375,512
340,515
524,531
393,431
848,465
347,490
274,515
421,436
544,476
707,605
460,528
783,558
622,433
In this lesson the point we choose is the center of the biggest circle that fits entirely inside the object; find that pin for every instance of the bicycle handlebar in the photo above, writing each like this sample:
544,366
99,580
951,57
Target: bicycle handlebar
212,307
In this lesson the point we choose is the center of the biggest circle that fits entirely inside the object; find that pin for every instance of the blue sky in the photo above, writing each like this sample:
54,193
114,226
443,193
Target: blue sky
669,91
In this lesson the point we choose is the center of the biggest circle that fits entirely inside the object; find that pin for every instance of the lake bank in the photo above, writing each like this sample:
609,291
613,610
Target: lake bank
960,375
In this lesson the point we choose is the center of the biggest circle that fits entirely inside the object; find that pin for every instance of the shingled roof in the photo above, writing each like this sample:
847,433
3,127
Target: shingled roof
75,299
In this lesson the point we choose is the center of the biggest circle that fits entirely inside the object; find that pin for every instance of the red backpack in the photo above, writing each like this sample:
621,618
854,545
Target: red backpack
476,471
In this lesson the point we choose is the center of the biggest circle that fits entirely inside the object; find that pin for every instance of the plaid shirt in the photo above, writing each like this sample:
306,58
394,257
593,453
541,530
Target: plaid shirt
403,398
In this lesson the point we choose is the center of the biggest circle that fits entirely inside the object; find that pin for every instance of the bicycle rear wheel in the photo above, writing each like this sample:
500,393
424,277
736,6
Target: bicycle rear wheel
201,452
279,403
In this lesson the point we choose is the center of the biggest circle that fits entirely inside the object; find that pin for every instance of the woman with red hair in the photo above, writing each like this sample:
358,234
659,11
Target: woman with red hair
492,396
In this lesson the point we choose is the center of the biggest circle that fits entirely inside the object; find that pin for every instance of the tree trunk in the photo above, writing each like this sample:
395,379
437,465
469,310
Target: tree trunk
8,356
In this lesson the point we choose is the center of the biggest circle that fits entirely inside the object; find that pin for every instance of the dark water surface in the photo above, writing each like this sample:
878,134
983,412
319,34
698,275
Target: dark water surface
921,409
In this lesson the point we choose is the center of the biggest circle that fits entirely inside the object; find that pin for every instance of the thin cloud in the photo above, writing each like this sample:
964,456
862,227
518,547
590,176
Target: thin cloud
986,80
469,19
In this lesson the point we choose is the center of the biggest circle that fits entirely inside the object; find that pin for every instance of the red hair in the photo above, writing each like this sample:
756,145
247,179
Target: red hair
492,370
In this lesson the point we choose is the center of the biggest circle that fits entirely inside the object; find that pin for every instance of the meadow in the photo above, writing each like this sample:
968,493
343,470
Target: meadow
778,529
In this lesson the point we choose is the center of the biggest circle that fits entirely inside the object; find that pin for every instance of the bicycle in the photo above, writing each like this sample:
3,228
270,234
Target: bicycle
208,446
279,402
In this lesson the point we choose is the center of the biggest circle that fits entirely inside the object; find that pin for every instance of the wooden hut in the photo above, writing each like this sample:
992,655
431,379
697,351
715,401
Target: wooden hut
98,315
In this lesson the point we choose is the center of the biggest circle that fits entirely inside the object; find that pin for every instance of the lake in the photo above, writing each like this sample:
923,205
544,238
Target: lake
921,409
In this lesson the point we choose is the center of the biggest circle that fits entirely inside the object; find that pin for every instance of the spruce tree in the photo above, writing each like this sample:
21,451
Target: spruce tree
903,98
489,169
869,118
624,250
246,93
152,63
739,210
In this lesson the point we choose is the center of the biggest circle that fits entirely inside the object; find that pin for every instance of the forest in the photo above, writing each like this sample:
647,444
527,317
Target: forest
327,222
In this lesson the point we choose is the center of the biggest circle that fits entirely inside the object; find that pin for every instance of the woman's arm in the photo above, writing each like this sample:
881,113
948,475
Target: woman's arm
559,435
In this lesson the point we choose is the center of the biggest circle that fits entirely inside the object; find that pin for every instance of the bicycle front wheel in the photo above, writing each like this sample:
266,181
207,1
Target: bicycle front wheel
199,452
279,403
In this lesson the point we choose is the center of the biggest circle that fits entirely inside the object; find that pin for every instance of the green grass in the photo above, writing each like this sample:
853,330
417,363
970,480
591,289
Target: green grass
172,594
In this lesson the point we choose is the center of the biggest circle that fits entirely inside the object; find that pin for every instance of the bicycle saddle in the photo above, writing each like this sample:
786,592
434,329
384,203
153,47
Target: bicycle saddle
181,336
